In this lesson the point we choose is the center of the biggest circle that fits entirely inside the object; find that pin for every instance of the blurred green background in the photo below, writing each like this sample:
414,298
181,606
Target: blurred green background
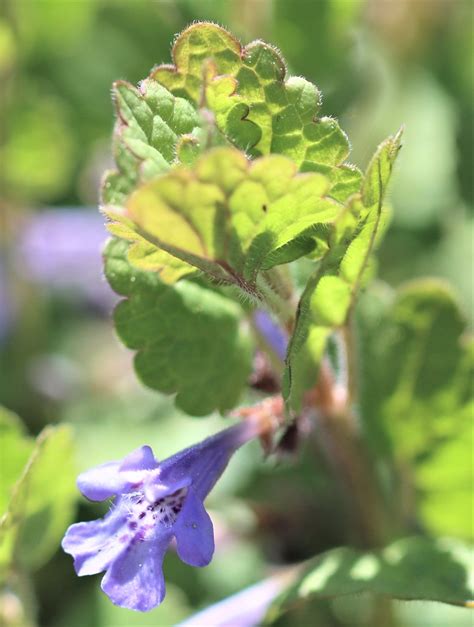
379,64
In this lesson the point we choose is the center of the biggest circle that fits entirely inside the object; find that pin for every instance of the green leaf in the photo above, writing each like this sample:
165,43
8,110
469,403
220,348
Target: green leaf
150,122
189,338
409,569
417,388
424,389
15,449
232,218
256,106
332,289
42,502
444,484
38,156
146,256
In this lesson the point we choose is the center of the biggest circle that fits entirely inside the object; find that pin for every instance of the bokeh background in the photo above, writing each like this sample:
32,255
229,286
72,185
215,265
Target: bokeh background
379,64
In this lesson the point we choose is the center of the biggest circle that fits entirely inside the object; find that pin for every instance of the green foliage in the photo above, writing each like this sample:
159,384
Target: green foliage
231,218
406,66
234,219
149,122
330,292
15,448
424,392
255,105
38,493
444,483
37,156
408,569
188,338
418,370
95,610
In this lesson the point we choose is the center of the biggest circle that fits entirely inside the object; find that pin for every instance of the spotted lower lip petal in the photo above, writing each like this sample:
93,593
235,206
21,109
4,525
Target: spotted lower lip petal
154,491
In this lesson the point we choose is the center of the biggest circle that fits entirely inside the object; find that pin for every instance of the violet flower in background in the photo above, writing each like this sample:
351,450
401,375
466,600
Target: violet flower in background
62,249
154,502
272,332
248,607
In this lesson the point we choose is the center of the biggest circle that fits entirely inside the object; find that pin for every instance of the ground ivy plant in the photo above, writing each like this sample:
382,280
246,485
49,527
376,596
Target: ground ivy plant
243,244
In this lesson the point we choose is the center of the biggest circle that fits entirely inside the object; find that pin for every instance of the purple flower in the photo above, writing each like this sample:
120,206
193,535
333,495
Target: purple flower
276,337
61,249
246,608
154,502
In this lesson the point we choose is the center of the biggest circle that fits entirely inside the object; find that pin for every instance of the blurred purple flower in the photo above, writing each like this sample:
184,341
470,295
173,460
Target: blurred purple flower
154,502
246,608
272,332
61,249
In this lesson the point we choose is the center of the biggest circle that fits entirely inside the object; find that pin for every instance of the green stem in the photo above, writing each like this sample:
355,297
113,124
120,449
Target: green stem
383,612
347,333
347,451
280,282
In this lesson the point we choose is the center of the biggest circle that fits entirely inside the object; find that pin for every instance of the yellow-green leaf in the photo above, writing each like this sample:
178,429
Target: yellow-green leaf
230,217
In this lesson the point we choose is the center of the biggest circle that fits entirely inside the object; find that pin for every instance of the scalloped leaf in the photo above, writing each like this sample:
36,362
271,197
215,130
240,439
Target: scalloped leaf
231,218
409,569
188,339
331,291
255,105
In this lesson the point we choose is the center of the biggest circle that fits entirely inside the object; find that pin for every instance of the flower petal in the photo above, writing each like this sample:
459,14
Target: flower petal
155,490
272,332
205,462
140,459
94,545
194,533
117,477
101,482
135,580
